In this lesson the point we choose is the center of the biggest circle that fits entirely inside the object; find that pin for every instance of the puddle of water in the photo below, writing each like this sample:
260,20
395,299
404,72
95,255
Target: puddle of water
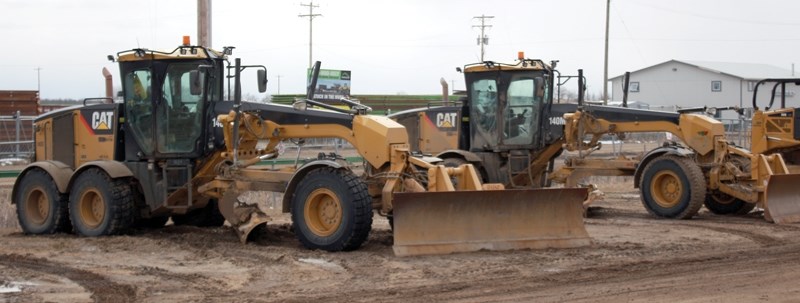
7,289
12,287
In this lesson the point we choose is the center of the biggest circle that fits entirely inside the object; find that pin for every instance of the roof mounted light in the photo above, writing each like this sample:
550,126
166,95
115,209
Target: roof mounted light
139,53
186,41
227,50
521,55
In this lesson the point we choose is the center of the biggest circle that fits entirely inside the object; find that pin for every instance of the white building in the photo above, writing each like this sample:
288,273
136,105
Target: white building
685,84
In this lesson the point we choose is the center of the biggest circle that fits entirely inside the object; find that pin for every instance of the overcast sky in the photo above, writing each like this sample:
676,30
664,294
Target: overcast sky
391,46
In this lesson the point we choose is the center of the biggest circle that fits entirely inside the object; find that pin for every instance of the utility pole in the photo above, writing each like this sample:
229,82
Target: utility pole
605,70
482,39
310,16
38,81
204,23
279,85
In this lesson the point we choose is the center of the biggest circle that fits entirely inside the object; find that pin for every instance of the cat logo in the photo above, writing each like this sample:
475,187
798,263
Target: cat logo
102,120
99,121
446,120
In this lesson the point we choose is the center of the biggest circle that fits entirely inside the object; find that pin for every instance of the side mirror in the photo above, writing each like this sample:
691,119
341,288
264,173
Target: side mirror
195,87
262,80
539,86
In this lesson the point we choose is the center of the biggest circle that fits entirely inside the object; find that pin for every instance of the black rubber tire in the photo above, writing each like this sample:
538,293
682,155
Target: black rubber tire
150,223
41,209
453,162
208,216
113,199
723,204
349,193
680,173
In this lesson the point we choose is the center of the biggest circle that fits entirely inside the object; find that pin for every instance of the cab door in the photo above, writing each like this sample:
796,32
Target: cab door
179,113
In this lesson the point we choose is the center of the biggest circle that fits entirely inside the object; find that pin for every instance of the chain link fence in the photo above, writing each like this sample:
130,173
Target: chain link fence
16,139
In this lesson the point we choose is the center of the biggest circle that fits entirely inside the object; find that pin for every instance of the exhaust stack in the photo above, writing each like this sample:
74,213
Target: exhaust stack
109,84
445,92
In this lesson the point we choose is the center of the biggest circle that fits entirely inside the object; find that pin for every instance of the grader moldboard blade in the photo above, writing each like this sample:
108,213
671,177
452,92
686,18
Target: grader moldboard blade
429,223
783,198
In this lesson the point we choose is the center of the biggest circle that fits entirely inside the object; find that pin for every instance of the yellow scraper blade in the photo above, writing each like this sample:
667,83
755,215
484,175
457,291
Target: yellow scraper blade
430,223
783,198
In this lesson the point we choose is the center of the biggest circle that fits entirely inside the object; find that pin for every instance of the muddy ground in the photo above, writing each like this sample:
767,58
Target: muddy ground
633,258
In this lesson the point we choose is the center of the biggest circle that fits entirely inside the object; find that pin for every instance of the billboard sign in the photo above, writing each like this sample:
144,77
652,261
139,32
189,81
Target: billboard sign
331,85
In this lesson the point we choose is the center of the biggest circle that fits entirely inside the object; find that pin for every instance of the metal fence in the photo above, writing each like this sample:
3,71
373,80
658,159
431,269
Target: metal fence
16,137
737,131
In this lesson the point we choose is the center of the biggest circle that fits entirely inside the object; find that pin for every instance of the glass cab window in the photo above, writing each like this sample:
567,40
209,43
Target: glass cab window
520,112
139,108
180,112
484,111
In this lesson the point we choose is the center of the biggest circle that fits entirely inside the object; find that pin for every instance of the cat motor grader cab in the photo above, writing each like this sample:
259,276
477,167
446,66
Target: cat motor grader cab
507,125
174,148
509,128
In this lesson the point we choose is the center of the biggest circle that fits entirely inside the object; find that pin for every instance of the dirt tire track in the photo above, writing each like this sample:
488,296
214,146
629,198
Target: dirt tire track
634,258
761,239
589,284
102,289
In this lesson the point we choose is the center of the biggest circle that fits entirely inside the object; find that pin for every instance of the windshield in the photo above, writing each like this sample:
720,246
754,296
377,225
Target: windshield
505,107
163,114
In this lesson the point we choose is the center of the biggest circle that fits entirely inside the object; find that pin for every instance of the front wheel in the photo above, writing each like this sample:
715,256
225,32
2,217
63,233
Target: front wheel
41,209
100,205
672,187
331,210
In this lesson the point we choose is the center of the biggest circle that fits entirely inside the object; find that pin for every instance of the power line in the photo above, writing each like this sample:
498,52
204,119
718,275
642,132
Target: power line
482,39
310,16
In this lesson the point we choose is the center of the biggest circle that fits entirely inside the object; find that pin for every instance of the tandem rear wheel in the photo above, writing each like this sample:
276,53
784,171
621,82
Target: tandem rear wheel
41,209
100,205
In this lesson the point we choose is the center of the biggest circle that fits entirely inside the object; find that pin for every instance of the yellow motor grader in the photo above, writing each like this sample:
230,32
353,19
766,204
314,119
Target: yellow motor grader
510,129
175,149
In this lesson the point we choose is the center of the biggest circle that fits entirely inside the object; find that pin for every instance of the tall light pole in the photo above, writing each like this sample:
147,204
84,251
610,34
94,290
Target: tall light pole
310,16
482,39
605,70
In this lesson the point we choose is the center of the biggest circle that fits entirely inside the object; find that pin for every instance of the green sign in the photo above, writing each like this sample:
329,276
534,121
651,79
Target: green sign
331,85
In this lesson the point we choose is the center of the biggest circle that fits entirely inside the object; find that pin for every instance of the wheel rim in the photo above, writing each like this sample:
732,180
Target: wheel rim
323,212
92,208
37,206
667,189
